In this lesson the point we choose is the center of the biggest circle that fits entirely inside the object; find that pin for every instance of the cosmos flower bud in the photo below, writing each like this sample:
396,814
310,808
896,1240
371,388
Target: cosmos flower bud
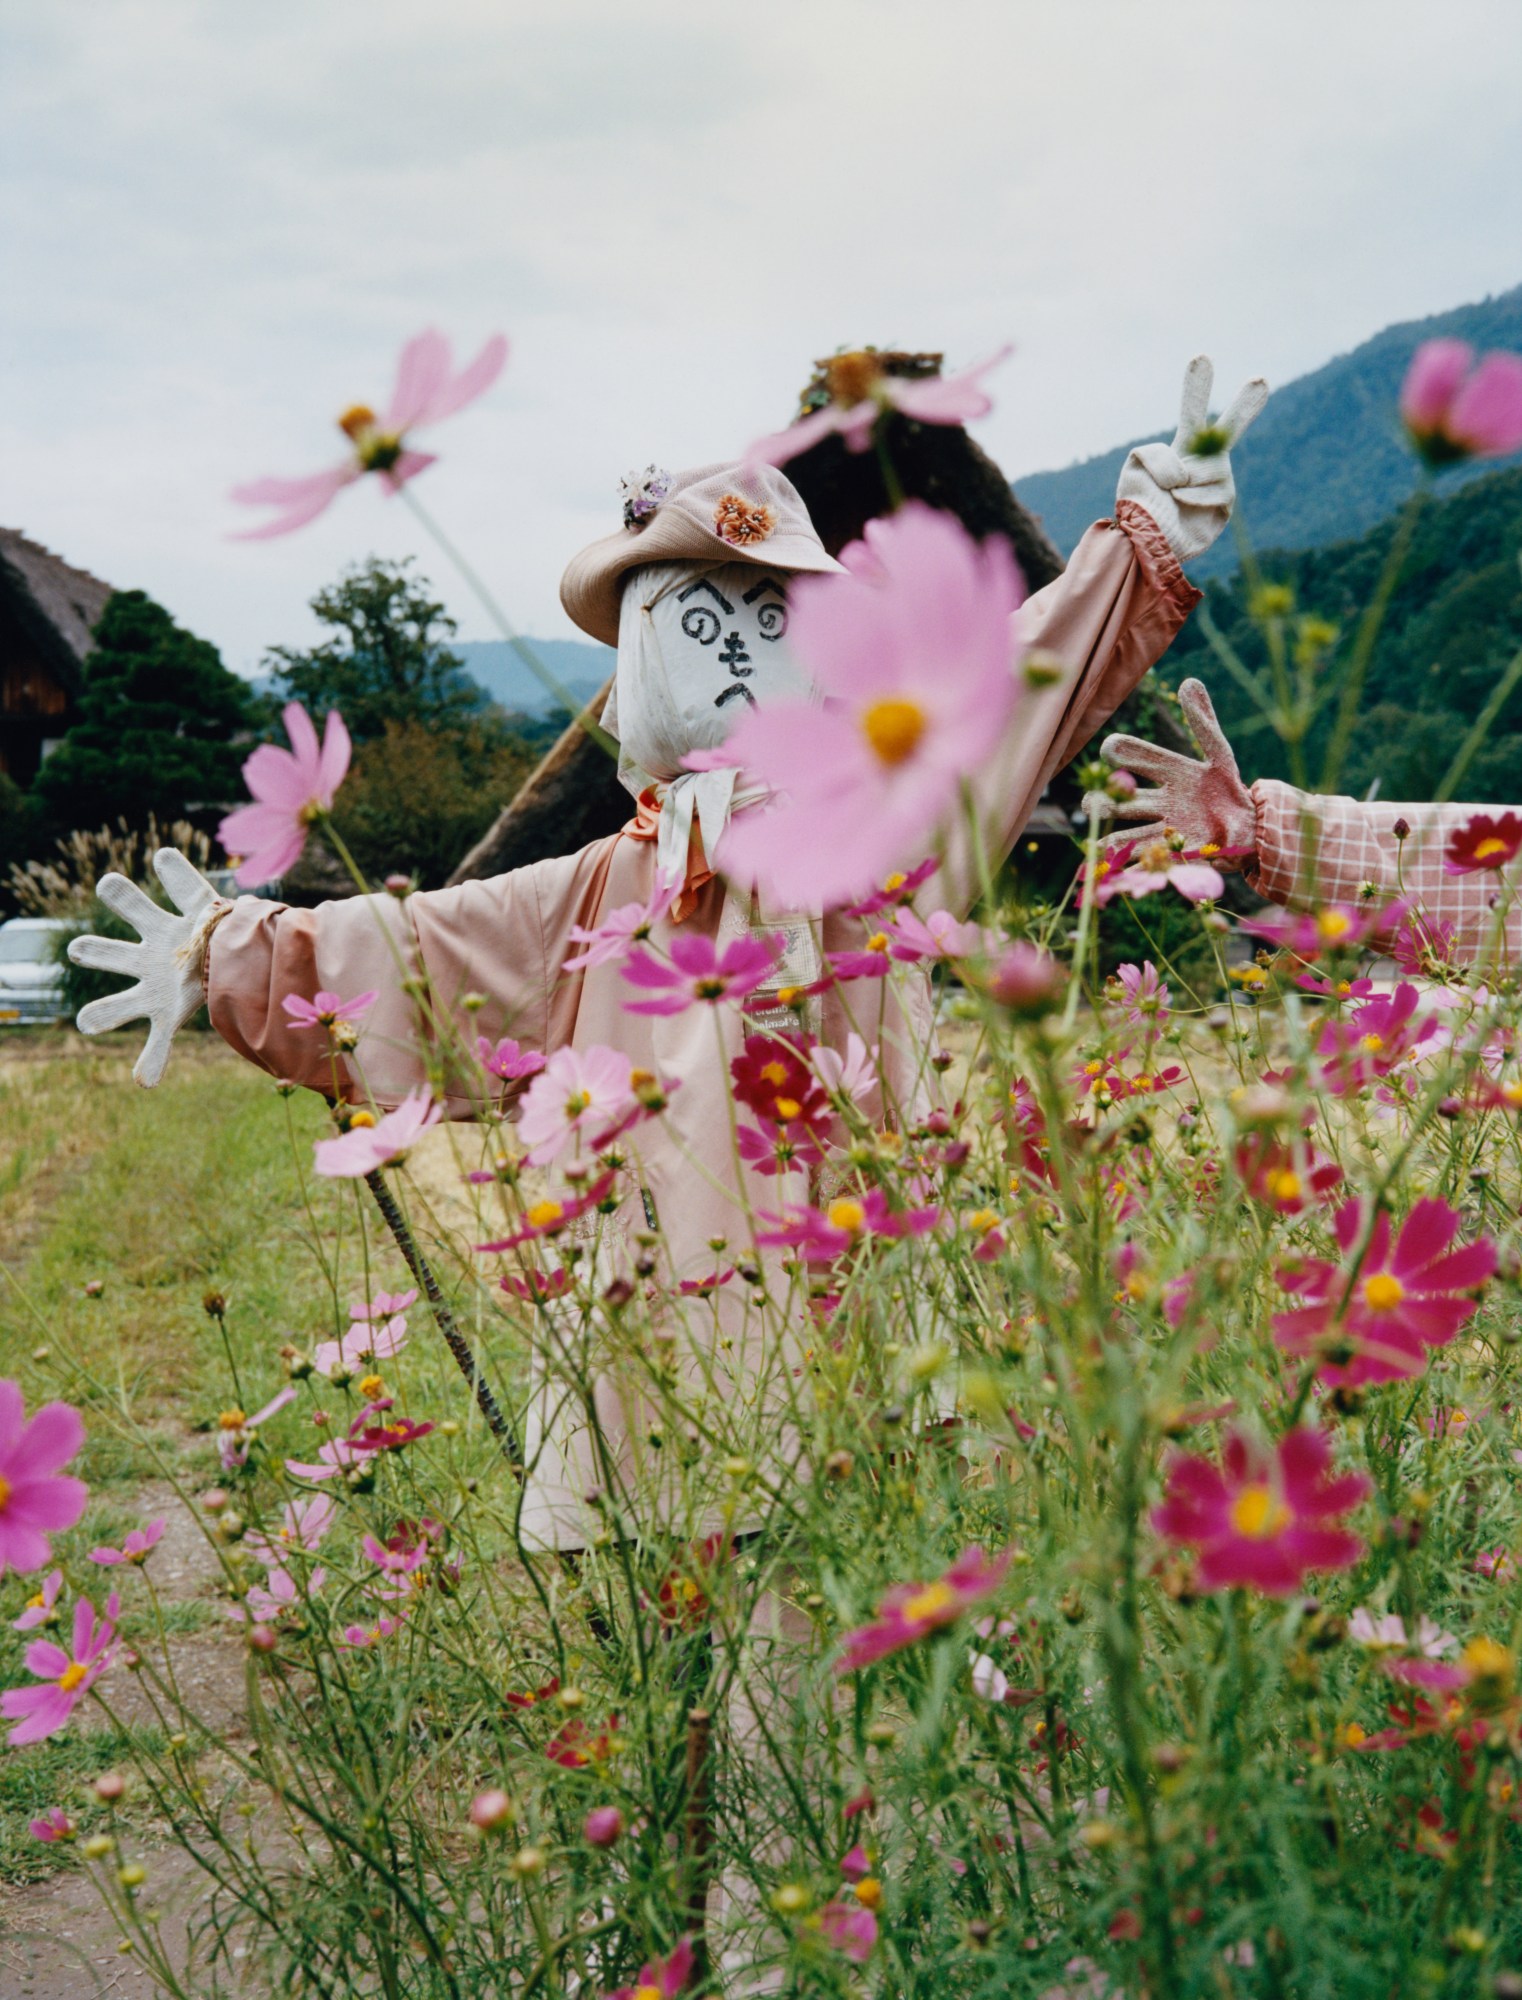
602,1826
490,1811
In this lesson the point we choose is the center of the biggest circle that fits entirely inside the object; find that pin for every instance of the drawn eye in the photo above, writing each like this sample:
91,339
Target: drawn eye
701,622
772,618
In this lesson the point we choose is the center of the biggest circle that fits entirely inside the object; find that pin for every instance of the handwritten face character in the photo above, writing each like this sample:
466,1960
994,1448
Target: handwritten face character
712,645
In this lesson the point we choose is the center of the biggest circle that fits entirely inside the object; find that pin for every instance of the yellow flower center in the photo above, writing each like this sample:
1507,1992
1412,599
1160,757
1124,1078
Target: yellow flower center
1488,848
983,1219
543,1213
576,1103
1094,1069
1383,1292
5,1493
363,1119
1512,1091
894,883
232,1420
1373,1043
647,1993
878,941
1157,858
1333,924
847,1215
36,1601
773,1073
929,1602
1259,1513
788,1107
1210,848
356,420
852,379
71,1676
893,726
1284,1185
371,1386
869,1891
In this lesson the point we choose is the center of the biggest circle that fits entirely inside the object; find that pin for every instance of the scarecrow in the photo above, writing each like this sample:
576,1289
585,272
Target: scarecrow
692,592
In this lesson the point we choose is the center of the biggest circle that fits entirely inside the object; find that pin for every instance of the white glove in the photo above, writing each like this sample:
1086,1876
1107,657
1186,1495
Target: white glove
1187,486
167,965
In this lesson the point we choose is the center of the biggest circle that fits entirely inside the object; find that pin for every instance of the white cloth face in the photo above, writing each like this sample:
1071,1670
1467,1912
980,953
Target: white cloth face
699,645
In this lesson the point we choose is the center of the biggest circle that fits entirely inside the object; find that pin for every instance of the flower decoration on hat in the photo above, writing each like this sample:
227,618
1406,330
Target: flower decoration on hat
643,493
740,522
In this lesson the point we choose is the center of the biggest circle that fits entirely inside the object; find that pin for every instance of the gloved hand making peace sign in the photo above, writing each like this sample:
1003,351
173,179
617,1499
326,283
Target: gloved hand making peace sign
1187,486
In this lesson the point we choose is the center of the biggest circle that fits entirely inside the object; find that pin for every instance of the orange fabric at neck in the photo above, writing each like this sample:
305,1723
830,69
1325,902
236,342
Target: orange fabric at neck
645,825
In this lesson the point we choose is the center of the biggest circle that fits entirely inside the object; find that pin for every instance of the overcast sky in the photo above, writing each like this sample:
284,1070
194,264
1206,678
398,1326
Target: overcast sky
218,222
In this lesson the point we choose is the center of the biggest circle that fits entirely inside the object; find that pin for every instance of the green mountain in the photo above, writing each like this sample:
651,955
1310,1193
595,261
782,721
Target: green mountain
1325,460
1453,624
580,666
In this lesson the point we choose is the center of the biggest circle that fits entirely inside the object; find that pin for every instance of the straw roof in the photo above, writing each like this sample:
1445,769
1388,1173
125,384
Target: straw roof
56,604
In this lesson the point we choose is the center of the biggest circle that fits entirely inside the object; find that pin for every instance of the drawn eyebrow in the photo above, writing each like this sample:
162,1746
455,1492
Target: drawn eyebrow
766,583
713,591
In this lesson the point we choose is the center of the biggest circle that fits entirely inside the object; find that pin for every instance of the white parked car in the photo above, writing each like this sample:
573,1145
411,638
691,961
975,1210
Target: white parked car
31,980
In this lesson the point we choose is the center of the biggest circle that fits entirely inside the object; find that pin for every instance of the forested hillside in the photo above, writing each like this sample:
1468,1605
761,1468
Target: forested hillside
1453,624
1325,460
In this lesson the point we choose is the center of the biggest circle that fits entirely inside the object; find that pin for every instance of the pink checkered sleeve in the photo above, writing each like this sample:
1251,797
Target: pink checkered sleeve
1313,849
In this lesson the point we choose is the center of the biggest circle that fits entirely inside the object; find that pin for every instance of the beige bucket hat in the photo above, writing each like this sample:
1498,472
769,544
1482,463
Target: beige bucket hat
715,513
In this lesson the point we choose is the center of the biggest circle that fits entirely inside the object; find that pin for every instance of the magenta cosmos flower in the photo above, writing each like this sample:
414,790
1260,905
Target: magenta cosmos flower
861,390
661,1978
1454,408
850,1927
507,1059
577,1097
42,1606
1337,927
1261,1520
825,1234
914,651
291,789
427,388
1159,866
137,1547
911,1611
1409,1295
36,1500
54,1824
370,1142
1485,842
65,1677
698,972
551,1215
1374,1039
1144,994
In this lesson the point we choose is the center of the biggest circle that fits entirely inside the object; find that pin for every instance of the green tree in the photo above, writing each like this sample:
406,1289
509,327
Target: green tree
416,800
157,727
387,659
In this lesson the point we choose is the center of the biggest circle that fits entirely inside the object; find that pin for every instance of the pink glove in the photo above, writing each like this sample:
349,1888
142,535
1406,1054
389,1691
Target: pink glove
1206,802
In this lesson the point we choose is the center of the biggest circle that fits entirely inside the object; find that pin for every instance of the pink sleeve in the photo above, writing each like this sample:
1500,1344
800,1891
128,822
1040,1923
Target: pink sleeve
1313,849
1110,616
502,940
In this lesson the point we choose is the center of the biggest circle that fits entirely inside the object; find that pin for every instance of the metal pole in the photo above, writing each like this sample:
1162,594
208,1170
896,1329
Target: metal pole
459,1346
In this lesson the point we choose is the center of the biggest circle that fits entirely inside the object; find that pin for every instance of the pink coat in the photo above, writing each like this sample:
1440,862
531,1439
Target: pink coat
1109,616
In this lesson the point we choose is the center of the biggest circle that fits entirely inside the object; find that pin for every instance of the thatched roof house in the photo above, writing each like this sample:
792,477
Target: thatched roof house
48,611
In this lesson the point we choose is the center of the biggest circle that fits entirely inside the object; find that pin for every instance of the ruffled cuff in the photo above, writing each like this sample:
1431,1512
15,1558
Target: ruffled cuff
1161,567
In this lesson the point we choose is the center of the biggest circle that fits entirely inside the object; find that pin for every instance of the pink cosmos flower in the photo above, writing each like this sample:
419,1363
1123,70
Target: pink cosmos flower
42,1605
602,1826
852,1077
1261,1520
538,1287
1025,979
850,1927
698,972
507,1059
35,1499
266,1603
427,389
917,666
1454,409
938,936
1419,1661
1342,989
1144,993
1488,841
291,789
302,1527
661,1978
53,1825
370,1143
1409,1295
137,1547
66,1677
579,1095
1286,1178
1158,866
239,1431
365,1341
360,1636
610,941
825,1234
326,1010
861,391
910,1611
1374,1039
383,1305
399,1565
1337,927
871,961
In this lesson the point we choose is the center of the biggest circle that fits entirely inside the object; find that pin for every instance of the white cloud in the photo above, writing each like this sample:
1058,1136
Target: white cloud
220,222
